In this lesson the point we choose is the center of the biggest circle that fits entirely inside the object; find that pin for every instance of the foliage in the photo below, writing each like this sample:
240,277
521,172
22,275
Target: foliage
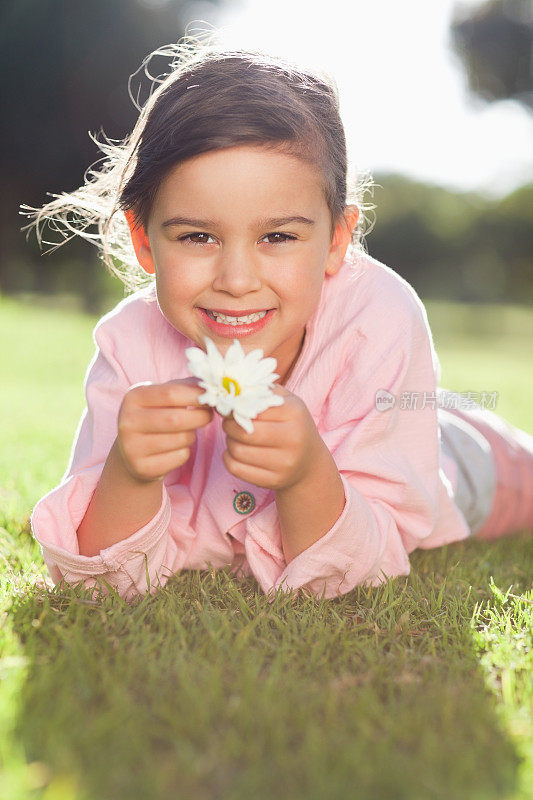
69,65
459,246
495,42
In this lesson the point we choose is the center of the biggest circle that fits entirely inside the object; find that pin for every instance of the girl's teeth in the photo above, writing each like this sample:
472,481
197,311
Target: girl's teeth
236,320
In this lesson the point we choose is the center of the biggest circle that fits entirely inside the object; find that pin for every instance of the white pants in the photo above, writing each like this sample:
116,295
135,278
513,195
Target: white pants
476,482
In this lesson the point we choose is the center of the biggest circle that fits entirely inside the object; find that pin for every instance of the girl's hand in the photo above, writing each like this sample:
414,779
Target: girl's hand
281,448
157,426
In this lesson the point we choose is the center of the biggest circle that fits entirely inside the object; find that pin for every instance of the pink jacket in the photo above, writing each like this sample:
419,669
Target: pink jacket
369,332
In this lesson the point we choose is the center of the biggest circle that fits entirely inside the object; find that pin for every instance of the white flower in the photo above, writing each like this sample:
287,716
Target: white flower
235,382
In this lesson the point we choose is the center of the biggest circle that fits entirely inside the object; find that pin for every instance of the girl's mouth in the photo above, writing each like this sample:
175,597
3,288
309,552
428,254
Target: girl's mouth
225,326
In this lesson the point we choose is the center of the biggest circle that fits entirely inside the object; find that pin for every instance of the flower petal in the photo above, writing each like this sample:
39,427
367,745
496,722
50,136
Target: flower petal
244,422
216,360
253,404
209,397
253,357
197,362
264,369
234,355
224,405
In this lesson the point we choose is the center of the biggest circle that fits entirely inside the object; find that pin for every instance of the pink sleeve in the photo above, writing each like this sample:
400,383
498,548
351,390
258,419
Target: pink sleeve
389,464
133,565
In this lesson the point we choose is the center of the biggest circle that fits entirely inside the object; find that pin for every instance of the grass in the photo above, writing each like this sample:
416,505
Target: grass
420,688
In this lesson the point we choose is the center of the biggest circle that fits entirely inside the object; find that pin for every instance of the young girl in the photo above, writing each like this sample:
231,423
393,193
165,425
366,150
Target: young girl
230,197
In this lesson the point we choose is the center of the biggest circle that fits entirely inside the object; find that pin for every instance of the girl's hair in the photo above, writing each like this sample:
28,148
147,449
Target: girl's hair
212,98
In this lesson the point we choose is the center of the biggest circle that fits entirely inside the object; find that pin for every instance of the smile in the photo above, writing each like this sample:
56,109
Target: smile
233,320
230,326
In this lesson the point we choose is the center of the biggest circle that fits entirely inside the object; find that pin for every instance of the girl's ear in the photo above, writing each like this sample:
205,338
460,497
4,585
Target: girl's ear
141,245
341,239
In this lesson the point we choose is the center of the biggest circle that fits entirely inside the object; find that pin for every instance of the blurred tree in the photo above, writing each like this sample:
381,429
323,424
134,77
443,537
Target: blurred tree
508,231
495,44
452,245
65,72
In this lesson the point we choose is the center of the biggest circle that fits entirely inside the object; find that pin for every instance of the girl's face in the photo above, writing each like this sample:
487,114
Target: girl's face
216,240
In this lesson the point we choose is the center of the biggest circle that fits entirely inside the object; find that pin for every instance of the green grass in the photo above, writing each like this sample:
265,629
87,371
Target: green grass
420,688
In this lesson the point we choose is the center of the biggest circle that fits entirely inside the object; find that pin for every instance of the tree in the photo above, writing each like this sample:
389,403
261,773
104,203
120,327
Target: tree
495,44
66,70
459,246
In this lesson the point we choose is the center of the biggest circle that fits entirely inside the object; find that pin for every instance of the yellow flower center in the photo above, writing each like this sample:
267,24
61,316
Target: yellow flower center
228,382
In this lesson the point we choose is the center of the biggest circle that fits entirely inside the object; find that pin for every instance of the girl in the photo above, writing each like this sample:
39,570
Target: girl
230,198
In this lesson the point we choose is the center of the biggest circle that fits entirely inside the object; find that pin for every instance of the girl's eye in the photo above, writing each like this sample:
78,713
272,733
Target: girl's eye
189,237
286,237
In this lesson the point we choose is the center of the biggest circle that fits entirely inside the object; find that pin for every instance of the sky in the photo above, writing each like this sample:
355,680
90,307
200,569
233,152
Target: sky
403,95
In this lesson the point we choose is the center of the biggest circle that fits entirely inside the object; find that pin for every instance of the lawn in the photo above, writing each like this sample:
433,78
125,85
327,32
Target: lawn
420,688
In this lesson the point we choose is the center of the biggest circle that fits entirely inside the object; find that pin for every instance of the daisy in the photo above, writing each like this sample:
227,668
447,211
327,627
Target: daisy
235,382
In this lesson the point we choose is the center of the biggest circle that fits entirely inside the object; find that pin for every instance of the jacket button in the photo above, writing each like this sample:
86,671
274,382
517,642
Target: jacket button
244,502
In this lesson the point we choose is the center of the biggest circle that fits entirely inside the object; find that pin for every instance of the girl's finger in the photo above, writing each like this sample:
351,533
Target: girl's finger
160,465
153,444
171,420
250,473
265,434
267,457
175,394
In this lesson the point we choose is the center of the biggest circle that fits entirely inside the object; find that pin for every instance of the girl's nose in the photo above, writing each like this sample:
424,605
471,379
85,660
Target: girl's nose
236,272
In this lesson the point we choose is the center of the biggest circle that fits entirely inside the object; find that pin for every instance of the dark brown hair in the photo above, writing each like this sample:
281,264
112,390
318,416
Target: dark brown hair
211,99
